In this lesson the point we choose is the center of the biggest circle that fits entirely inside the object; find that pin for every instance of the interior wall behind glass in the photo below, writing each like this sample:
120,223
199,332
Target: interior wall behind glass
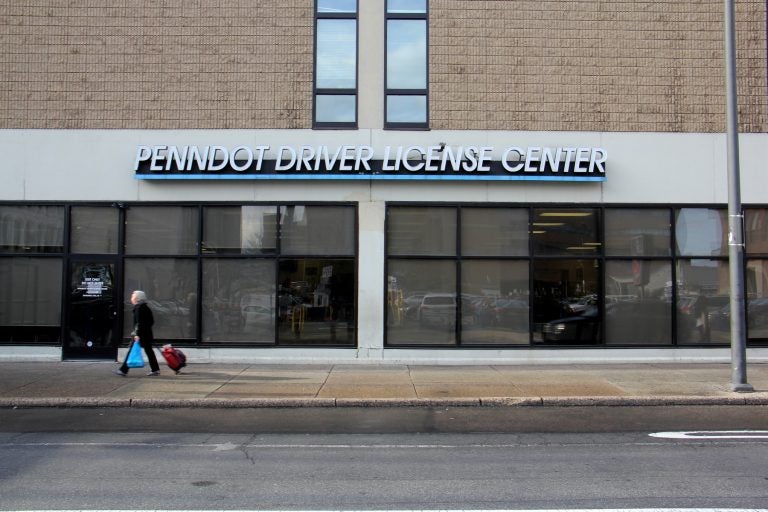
317,230
494,232
637,232
31,229
421,231
30,291
94,230
161,230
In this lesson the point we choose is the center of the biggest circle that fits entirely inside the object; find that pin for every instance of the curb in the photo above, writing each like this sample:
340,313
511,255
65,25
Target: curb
339,403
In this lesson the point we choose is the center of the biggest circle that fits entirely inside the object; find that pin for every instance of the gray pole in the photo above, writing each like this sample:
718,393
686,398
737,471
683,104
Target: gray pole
735,215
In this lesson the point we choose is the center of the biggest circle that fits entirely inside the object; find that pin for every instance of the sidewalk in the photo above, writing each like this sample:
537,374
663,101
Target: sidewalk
92,384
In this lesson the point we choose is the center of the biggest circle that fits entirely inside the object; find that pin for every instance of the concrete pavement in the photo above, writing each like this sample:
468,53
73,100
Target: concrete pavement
92,384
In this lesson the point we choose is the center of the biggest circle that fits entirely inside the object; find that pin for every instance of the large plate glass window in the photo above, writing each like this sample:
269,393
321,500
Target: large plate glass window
94,230
567,291
335,64
756,277
240,230
31,229
638,276
155,230
457,276
239,301
171,288
702,277
30,299
406,64
316,275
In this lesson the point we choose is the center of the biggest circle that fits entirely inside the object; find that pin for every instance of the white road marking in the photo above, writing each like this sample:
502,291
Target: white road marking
714,434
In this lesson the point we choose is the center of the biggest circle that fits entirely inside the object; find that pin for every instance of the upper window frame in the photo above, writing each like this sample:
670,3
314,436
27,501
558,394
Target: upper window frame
390,16
325,91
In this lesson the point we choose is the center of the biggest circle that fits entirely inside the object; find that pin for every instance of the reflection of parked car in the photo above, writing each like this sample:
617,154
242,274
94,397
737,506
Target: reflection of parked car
412,303
584,328
580,305
438,309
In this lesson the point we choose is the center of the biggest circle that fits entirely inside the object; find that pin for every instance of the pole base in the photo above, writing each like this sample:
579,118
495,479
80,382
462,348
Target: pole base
742,388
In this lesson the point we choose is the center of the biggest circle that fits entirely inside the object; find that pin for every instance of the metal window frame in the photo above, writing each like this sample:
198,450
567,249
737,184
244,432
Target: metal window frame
324,91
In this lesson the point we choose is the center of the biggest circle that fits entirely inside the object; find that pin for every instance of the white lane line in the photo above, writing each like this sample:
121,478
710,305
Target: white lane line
714,434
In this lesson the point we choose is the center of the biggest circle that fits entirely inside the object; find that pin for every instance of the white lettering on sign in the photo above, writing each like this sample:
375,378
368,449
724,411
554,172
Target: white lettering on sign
360,159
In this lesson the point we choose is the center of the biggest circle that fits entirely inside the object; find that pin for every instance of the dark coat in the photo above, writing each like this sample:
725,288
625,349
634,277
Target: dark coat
143,322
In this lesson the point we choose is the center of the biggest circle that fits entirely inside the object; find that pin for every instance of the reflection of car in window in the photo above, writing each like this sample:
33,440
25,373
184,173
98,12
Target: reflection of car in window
438,309
580,322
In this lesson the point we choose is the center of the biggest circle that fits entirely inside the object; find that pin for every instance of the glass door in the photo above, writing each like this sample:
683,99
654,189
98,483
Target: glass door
92,309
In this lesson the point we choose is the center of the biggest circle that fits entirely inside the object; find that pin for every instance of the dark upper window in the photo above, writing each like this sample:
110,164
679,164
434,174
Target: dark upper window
406,64
335,95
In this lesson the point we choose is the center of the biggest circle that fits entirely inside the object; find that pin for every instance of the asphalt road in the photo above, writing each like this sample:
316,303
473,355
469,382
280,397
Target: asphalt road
205,471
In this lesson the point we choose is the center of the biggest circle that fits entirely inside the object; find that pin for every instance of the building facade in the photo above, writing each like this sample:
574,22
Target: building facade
441,181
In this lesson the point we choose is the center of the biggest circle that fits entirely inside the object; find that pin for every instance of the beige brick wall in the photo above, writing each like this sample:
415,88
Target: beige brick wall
622,65
156,63
592,65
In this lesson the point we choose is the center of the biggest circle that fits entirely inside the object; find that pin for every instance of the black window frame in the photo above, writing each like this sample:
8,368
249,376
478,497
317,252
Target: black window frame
389,16
672,259
324,91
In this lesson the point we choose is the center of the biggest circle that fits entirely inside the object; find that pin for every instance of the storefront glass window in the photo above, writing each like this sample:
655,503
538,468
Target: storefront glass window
317,230
703,301
94,230
565,232
26,229
239,302
171,288
240,229
566,301
701,232
757,299
494,302
156,230
316,302
637,232
638,306
422,231
756,231
494,232
422,303
30,299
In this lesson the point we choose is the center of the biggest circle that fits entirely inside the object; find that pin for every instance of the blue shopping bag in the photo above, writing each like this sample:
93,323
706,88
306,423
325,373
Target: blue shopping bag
135,359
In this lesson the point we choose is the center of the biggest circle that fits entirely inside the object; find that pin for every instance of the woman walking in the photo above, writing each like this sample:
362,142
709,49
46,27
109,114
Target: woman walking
142,333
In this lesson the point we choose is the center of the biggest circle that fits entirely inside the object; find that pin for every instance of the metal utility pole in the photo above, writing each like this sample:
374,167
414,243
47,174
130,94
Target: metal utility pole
735,215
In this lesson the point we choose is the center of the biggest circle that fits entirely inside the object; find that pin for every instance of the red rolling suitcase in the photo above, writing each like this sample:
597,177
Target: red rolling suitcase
174,357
